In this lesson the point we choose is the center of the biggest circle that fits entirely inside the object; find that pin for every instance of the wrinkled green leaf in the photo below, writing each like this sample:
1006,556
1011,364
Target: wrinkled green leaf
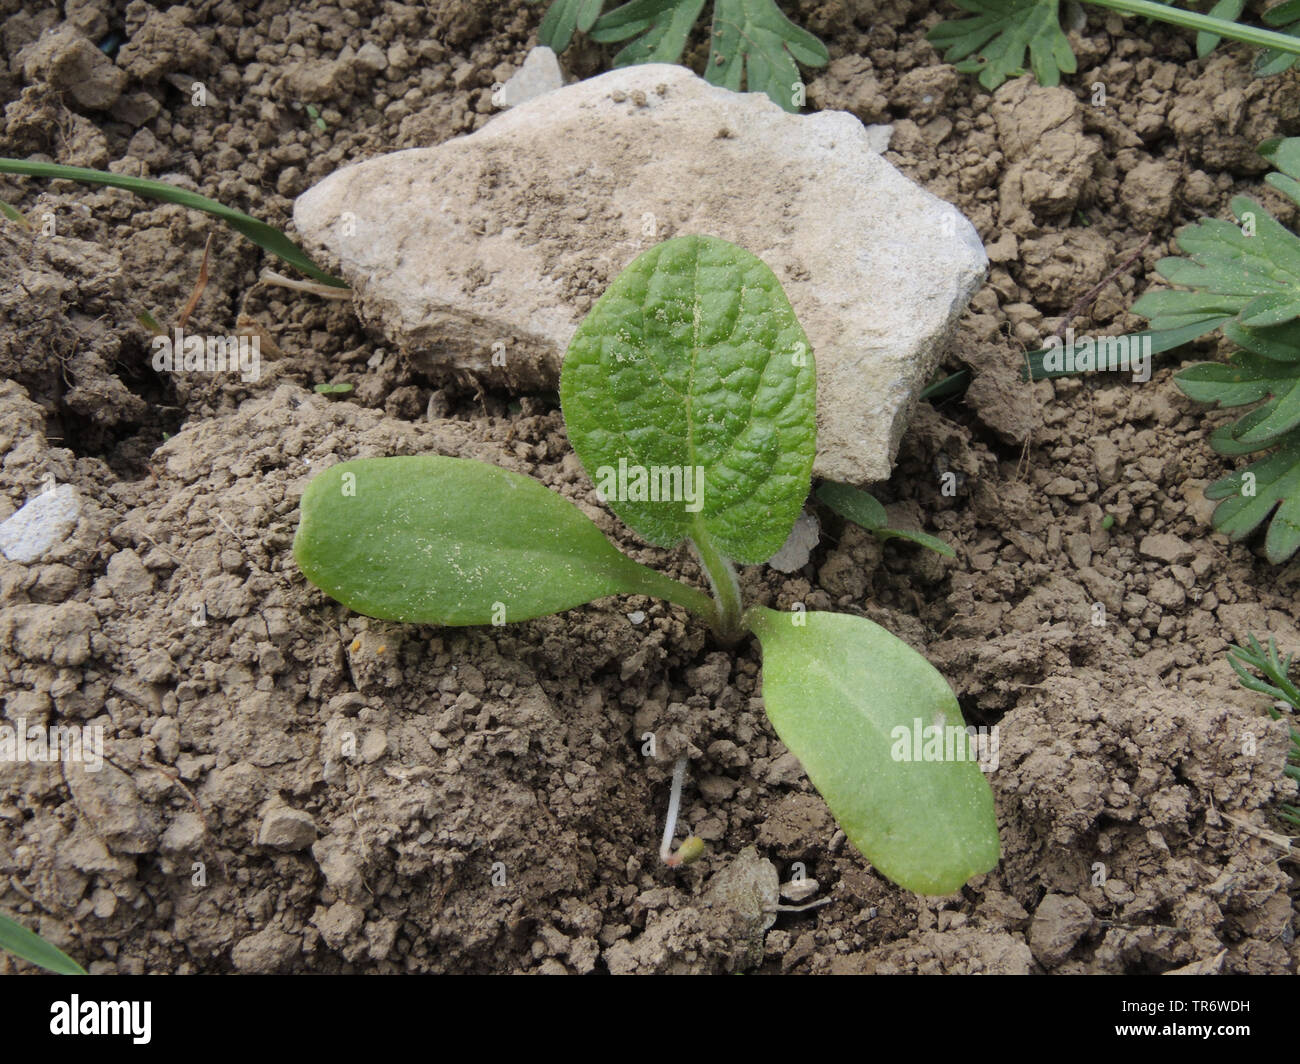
693,366
660,28
754,44
864,509
30,947
993,41
264,236
433,540
565,16
842,693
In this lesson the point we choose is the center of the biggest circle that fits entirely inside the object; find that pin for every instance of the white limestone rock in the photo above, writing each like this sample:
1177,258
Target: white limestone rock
46,520
479,257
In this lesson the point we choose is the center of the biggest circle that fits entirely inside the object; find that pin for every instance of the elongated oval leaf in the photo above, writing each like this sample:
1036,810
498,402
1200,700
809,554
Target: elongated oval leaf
689,395
433,540
860,709
29,946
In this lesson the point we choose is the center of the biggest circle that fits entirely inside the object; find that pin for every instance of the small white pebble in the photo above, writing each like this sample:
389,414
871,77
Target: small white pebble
44,521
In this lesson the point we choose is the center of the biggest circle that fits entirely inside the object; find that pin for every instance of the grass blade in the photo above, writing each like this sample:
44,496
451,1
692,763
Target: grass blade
264,236
30,947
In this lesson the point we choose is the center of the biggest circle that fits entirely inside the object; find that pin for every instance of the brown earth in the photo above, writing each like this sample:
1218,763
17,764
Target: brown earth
1136,778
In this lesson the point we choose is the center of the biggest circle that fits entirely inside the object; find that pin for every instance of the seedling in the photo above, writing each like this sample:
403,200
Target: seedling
994,40
1243,281
689,396
750,41
1278,686
862,508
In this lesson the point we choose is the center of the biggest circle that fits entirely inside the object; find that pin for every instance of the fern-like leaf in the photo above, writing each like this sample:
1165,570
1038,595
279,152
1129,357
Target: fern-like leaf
993,41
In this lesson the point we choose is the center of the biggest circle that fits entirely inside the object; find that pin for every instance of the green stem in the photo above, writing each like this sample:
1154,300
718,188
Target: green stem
1194,21
647,581
729,623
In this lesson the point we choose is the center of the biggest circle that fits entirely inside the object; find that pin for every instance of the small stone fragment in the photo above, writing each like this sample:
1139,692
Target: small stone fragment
540,74
44,522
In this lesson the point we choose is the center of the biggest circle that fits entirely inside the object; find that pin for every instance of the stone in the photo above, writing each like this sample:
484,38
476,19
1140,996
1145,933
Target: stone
371,58
749,886
108,799
540,74
184,834
266,952
1167,548
798,546
799,890
126,577
479,257
339,923
1059,922
284,828
69,62
56,634
43,523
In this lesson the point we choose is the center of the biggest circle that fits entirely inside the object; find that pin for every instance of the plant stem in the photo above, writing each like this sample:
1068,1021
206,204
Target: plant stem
674,806
729,625
1193,21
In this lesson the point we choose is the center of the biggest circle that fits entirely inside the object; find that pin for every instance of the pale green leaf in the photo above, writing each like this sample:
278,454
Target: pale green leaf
433,540
848,699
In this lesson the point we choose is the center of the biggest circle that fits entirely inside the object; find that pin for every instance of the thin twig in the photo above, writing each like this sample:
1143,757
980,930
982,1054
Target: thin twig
199,286
325,291
1078,307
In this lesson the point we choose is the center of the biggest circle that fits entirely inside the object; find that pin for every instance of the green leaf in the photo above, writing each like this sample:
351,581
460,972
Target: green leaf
1035,367
753,43
1237,280
860,507
1206,42
692,378
661,29
846,697
1268,489
1285,18
14,214
993,42
30,947
563,17
264,236
433,540
863,509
